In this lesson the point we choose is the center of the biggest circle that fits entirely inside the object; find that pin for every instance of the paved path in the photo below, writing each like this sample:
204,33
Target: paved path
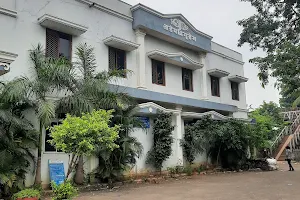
278,185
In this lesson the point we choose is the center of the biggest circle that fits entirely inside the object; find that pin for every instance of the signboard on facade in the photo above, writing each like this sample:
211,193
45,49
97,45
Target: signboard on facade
57,172
179,27
146,121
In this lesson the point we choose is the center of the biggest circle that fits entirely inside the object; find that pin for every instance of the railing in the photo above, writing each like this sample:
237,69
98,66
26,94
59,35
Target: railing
289,130
291,115
284,132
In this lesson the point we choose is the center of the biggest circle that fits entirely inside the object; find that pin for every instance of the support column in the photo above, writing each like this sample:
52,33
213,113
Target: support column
179,136
141,59
204,93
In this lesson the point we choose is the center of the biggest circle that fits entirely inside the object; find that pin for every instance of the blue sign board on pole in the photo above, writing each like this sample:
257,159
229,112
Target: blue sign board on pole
57,172
146,121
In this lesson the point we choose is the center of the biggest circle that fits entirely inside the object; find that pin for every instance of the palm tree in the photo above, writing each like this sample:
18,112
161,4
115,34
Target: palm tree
89,90
17,138
49,76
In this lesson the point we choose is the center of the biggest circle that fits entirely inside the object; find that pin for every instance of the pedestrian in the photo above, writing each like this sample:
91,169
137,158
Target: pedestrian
289,157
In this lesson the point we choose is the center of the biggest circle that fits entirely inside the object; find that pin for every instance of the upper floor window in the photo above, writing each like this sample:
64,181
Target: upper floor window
187,79
215,86
235,91
158,72
117,60
58,44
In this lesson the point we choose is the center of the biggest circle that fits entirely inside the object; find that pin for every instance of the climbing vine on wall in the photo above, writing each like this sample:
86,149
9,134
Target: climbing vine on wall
162,142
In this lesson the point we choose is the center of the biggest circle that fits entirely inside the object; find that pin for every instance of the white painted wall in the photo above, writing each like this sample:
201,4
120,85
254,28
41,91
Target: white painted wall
20,34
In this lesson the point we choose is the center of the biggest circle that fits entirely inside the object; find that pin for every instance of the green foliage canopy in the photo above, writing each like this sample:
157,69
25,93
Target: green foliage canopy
81,135
274,28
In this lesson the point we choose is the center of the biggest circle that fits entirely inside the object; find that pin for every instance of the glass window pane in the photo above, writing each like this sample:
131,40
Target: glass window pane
48,146
64,48
120,60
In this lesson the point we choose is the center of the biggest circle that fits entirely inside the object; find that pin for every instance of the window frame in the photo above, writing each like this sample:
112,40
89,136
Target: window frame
237,90
49,152
190,80
115,50
58,36
154,66
217,79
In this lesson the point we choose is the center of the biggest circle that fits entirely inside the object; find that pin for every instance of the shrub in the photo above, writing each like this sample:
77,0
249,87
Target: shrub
27,193
188,170
63,191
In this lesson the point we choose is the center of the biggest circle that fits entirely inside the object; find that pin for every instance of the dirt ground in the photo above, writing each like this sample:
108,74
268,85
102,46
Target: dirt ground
277,185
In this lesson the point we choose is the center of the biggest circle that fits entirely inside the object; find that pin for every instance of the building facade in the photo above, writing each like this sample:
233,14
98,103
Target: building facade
176,68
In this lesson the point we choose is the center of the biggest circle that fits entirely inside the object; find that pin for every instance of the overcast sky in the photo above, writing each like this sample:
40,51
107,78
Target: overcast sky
218,18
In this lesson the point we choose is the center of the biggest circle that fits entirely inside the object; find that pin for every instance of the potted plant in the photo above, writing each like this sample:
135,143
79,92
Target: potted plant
27,194
64,191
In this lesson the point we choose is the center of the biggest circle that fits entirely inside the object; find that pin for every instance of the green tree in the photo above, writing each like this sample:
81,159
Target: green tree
17,139
80,136
274,28
163,140
89,90
49,76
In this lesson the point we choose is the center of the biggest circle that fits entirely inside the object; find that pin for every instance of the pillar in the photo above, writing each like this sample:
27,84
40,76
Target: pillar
204,93
141,59
179,136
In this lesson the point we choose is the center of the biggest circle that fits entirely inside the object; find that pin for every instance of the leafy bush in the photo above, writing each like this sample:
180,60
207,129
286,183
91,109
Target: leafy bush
63,191
162,144
81,135
27,193
188,170
226,142
112,164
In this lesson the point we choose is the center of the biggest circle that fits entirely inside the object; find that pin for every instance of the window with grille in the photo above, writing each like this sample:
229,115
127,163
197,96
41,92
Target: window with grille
235,91
187,79
215,86
117,60
158,72
58,44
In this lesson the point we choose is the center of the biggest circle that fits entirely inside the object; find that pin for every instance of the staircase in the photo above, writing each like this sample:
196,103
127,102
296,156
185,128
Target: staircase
289,136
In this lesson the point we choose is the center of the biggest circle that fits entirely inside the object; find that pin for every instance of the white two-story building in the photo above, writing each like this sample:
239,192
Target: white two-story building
176,67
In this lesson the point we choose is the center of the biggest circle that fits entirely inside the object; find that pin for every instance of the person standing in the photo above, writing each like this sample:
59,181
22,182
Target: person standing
289,157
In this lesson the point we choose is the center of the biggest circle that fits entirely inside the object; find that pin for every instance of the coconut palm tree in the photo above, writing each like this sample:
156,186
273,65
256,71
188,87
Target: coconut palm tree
49,76
17,138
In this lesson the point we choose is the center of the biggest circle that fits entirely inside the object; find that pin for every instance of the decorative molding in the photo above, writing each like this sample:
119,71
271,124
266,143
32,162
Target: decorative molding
7,57
11,13
200,115
169,58
150,10
227,57
217,73
62,25
238,79
141,33
157,107
106,10
120,43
